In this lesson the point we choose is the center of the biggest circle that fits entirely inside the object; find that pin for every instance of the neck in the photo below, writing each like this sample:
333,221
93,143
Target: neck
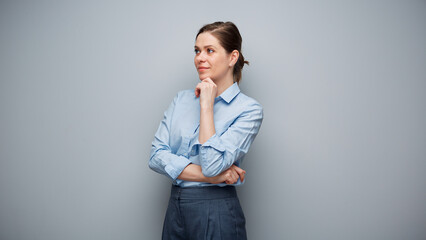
224,84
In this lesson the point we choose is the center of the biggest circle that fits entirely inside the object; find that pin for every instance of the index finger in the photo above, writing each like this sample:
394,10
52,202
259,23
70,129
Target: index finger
209,80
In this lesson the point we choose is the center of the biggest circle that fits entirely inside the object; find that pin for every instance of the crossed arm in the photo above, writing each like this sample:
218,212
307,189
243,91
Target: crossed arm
193,172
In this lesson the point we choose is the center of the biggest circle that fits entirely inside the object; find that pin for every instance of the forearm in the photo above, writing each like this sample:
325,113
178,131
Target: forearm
164,162
207,128
193,173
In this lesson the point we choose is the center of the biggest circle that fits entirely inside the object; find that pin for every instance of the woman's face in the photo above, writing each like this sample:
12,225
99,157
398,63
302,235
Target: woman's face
211,59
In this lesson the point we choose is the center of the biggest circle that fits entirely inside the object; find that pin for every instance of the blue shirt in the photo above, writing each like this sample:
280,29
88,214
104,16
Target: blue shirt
237,119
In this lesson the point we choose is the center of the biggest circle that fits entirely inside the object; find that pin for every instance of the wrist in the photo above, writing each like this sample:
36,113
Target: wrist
206,106
208,179
212,180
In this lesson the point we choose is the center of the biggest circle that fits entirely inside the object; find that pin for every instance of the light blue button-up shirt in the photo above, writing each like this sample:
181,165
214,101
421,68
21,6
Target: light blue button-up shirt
237,120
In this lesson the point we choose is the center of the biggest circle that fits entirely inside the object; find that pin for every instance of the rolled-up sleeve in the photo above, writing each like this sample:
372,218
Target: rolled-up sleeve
162,160
218,153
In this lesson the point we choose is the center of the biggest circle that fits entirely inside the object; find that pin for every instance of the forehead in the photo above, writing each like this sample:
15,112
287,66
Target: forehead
206,39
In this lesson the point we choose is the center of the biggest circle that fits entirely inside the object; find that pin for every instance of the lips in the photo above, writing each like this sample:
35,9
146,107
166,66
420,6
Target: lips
202,68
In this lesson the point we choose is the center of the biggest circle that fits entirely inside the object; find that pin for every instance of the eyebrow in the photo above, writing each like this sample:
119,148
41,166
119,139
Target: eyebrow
205,46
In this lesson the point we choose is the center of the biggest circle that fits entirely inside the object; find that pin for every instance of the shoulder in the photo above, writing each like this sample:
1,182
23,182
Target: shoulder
186,100
187,95
184,95
248,103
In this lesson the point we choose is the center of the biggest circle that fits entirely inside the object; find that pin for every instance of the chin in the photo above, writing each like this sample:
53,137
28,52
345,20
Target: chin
202,76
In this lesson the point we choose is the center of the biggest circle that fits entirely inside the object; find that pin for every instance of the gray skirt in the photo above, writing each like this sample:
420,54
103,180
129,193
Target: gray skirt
204,213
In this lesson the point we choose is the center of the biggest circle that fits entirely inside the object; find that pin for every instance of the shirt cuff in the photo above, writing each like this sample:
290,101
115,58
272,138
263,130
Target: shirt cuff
175,167
214,142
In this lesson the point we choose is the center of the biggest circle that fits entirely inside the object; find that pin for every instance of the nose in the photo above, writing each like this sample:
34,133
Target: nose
201,57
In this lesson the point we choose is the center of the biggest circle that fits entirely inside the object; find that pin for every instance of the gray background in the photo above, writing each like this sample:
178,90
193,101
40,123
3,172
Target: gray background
341,153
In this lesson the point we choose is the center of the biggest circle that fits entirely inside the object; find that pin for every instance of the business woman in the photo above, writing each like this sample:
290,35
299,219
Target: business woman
203,138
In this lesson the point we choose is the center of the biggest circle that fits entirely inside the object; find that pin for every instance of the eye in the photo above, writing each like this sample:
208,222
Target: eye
209,50
196,51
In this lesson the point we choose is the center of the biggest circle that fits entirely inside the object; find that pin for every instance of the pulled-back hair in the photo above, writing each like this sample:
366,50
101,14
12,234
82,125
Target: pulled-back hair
230,39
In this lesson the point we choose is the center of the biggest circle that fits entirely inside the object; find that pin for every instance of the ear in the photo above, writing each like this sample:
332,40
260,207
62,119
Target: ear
234,58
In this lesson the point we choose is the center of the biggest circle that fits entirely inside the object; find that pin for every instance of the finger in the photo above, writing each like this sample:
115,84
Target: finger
235,176
198,90
209,80
202,85
229,181
242,176
240,172
237,169
230,176
227,176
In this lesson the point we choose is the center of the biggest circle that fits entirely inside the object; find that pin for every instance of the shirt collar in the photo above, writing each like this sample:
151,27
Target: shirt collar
230,93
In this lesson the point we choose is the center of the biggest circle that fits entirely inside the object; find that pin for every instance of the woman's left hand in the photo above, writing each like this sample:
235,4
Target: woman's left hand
229,176
207,91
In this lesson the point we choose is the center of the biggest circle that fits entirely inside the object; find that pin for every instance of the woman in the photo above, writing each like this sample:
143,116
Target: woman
202,140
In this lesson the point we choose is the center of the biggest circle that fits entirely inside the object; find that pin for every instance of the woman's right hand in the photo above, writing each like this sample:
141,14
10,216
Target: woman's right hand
206,90
229,176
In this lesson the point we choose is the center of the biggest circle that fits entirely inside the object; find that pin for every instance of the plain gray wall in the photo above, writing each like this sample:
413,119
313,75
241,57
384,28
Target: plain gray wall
341,153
